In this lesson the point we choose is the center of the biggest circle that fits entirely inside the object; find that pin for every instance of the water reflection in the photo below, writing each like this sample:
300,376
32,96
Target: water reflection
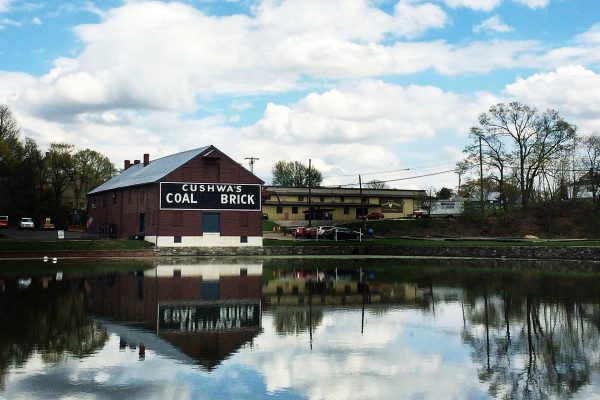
208,311
239,328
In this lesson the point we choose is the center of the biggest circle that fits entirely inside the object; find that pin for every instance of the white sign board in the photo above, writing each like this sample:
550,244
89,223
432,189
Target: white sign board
61,234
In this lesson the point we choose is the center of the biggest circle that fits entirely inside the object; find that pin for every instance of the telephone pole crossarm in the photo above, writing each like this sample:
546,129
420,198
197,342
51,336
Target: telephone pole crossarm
252,160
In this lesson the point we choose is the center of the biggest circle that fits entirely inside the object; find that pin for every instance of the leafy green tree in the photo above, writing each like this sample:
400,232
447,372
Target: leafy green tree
295,174
90,170
59,165
444,193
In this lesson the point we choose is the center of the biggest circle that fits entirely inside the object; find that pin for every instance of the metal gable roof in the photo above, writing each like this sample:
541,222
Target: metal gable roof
137,174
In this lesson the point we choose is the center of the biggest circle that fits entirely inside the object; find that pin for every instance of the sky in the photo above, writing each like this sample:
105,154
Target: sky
382,89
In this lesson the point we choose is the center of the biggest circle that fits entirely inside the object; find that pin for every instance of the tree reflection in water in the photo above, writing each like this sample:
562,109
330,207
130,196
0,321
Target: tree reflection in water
530,341
46,319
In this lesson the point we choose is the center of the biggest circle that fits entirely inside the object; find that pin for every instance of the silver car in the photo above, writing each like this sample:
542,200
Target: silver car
26,223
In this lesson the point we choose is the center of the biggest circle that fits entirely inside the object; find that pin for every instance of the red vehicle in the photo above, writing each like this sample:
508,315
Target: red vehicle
297,232
3,221
309,232
375,216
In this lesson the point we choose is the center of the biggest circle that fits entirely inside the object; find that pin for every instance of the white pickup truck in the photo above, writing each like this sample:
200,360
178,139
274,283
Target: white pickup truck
26,223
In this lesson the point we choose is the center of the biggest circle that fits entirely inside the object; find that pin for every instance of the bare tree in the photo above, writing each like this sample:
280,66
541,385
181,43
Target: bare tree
375,184
591,161
530,139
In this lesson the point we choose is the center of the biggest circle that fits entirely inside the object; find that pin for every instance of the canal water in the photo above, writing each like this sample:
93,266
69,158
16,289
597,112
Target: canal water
296,329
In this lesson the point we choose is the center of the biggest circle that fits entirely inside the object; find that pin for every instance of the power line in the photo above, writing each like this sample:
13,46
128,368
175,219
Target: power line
407,178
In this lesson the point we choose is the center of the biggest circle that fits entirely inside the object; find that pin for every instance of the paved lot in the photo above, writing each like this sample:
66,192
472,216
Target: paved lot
18,234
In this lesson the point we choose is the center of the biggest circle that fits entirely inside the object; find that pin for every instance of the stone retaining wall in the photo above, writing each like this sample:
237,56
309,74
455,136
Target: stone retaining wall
539,253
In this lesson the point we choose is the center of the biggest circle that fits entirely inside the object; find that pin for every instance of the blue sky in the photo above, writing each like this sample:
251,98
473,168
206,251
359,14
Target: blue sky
358,87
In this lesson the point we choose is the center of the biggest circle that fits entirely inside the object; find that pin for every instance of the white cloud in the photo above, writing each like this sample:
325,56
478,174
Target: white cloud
573,91
370,112
591,36
4,5
36,21
479,5
362,127
5,22
492,24
534,3
488,5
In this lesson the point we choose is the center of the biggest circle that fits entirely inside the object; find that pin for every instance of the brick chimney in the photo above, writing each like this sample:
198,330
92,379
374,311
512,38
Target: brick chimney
127,165
146,159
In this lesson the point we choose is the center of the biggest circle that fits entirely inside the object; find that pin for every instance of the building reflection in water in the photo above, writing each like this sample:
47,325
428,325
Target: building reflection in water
197,312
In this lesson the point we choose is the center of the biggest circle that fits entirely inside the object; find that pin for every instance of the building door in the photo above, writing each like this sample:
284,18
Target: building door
211,222
142,222
360,211
211,290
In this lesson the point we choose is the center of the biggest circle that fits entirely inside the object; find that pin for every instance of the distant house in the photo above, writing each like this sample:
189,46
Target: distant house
583,188
199,197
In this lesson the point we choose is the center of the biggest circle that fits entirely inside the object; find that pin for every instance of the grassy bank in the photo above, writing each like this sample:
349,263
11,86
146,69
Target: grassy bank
117,245
75,245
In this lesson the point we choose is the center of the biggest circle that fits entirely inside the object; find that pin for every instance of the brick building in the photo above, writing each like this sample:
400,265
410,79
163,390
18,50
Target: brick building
199,197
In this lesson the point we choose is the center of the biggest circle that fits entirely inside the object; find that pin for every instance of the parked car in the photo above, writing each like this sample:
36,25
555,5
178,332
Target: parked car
26,223
420,213
3,221
297,232
375,216
322,229
47,224
341,233
309,232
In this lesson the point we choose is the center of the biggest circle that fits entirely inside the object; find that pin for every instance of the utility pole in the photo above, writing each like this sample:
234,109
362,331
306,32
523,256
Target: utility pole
362,204
310,211
251,162
481,179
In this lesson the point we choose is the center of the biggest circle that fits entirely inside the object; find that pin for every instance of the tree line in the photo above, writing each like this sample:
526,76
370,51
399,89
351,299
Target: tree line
34,183
536,165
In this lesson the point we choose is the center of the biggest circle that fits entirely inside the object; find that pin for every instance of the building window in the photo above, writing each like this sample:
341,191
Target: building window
342,199
300,198
279,210
322,199
346,210
176,239
211,222
114,197
177,273
243,271
243,239
294,210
